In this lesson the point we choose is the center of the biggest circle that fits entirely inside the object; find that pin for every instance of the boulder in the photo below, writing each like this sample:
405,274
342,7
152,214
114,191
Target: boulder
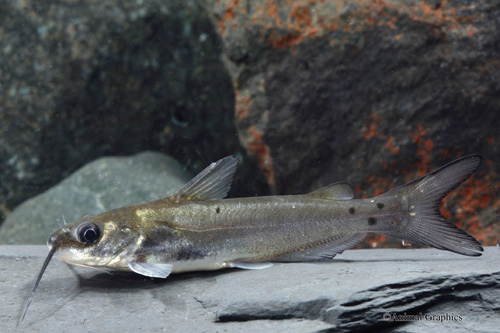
99,186
377,93
81,80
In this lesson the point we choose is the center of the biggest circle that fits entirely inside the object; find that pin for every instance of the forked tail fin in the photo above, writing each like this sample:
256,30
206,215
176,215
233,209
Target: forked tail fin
422,221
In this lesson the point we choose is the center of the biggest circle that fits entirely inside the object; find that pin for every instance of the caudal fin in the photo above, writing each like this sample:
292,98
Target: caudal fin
422,221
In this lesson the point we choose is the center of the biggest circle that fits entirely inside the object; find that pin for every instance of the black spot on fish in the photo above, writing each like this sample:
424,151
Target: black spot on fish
178,249
380,205
352,210
217,210
372,221
189,252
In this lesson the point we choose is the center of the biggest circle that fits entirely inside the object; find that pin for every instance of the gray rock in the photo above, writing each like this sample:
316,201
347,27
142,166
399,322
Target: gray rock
351,293
81,80
104,184
375,93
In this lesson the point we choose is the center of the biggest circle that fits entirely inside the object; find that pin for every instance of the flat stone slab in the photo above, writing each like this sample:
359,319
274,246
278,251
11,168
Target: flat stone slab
356,291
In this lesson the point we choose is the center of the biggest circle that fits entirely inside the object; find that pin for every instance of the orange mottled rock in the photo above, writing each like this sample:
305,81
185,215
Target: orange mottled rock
374,92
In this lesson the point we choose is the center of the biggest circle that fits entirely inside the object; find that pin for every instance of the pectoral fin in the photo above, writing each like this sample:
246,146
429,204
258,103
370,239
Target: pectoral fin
151,270
249,265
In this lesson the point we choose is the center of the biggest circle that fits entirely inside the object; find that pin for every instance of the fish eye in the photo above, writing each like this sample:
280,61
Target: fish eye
88,233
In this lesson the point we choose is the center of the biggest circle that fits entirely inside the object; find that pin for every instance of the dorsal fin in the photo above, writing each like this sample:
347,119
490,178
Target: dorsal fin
212,183
335,191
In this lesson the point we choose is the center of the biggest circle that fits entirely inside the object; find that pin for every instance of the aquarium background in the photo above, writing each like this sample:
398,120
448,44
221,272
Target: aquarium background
306,93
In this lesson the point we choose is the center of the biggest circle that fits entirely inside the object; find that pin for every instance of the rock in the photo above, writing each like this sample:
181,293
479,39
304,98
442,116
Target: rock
375,93
394,301
81,80
352,293
104,184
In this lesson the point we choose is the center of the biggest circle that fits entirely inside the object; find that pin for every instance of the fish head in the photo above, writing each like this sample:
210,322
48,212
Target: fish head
94,241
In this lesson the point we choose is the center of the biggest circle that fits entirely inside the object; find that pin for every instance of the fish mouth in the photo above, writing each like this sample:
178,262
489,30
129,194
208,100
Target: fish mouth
75,258
103,269
93,260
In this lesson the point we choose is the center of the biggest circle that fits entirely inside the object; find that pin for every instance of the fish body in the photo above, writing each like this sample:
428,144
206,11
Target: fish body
208,235
197,229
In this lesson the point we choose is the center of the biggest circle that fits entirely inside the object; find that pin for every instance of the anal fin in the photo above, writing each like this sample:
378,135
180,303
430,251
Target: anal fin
323,252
